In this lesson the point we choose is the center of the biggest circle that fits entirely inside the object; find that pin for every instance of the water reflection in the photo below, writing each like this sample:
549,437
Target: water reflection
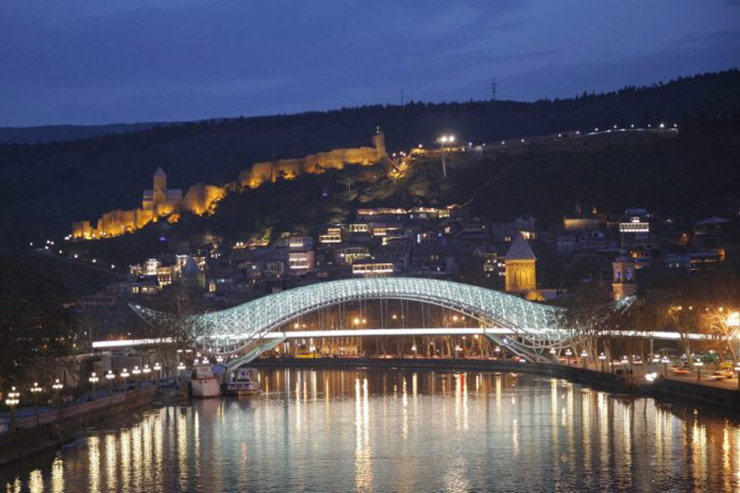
399,431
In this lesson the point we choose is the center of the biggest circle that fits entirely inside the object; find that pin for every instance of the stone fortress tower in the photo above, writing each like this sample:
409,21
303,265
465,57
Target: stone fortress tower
159,190
155,203
159,201
379,142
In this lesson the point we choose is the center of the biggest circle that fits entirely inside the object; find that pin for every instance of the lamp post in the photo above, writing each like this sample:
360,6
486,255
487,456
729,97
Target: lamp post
57,386
584,357
136,372
146,371
157,374
497,351
602,358
36,390
457,350
180,368
413,348
568,353
94,379
665,362
443,141
698,365
13,400
110,376
125,374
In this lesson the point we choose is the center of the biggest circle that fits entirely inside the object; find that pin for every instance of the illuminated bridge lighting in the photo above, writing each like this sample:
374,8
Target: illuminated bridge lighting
406,332
535,324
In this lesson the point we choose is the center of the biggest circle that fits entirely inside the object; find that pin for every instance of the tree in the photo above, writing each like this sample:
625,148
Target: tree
704,305
172,321
35,320
722,324
589,313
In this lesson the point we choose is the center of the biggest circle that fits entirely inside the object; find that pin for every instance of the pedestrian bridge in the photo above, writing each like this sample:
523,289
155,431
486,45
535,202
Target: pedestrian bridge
532,327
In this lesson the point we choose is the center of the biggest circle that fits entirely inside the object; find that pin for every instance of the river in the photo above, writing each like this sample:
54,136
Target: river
395,430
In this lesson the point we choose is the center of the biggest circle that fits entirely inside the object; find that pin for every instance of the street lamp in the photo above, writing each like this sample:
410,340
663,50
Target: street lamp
136,373
665,362
584,355
57,386
110,376
157,375
180,369
698,365
413,348
146,371
497,351
602,358
13,400
36,390
457,350
568,353
443,141
125,374
93,380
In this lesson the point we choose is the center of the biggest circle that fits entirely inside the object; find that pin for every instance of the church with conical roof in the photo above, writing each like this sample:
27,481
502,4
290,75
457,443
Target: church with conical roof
520,271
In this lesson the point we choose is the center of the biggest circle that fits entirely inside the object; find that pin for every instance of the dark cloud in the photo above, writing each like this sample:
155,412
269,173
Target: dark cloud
94,62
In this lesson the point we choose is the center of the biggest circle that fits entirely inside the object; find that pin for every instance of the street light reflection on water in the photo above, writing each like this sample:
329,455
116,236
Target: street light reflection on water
356,430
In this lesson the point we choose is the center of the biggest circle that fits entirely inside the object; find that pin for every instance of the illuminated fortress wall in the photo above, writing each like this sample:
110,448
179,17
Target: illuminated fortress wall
156,203
271,171
161,201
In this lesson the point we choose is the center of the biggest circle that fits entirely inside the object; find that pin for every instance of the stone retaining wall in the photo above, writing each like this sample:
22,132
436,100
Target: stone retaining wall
56,428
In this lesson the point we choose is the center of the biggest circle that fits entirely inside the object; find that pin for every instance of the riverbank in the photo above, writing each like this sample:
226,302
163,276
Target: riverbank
661,388
57,427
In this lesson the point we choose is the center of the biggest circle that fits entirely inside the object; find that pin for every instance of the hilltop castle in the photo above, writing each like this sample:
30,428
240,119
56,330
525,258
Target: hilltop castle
157,202
270,171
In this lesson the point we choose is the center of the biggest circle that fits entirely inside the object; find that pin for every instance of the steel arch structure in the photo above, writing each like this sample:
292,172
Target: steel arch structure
536,326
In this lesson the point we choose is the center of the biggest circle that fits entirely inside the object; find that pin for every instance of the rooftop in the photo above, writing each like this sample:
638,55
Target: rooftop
520,250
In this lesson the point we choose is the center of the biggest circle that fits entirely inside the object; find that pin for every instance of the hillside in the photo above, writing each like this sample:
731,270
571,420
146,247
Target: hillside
61,133
47,186
688,176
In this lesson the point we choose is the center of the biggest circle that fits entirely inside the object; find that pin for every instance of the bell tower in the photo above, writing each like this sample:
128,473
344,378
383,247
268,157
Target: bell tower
379,143
623,277
159,191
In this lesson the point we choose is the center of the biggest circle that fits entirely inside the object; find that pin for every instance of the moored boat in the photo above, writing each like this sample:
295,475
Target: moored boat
244,382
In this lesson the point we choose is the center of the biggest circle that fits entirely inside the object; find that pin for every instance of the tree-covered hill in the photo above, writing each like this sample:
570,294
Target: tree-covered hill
47,186
688,176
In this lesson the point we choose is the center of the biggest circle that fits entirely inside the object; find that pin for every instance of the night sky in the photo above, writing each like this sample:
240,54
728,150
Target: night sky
103,61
